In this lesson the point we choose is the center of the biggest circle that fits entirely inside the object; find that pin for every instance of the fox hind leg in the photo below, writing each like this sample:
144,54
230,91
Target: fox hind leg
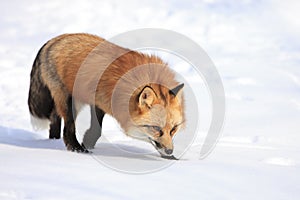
94,132
69,128
55,125
63,108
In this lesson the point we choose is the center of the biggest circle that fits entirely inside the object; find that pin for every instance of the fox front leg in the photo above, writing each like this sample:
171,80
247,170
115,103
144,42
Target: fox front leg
94,132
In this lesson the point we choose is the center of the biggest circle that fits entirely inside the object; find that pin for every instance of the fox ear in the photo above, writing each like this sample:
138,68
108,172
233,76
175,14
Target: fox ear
177,90
147,97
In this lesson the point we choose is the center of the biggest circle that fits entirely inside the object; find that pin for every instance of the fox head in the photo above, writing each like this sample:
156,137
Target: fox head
157,115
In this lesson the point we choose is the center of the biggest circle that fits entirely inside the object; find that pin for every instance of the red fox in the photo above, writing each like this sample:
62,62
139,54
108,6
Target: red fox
138,90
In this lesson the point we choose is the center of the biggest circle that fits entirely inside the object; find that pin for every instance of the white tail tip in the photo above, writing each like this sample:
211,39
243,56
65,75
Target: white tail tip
39,124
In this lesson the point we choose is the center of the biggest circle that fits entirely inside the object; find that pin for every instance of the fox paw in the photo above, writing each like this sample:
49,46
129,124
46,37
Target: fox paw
78,148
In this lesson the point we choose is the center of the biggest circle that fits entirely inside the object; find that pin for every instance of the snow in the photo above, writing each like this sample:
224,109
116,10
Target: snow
255,46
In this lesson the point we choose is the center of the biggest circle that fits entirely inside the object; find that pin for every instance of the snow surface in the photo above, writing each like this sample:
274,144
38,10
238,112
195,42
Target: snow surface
255,46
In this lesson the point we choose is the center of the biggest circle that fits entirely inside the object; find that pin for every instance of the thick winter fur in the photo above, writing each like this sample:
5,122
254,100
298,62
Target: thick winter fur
139,90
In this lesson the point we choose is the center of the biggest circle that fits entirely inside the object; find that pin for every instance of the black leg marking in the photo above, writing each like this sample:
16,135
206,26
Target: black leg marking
69,130
94,132
55,126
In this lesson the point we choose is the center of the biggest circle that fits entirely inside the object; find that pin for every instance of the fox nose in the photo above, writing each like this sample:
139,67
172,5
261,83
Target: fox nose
169,151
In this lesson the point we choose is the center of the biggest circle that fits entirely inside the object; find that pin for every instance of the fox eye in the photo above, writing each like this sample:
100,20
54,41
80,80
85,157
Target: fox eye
154,129
157,129
173,130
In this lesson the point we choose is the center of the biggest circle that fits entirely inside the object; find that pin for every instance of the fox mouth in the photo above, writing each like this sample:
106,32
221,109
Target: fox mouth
155,144
162,150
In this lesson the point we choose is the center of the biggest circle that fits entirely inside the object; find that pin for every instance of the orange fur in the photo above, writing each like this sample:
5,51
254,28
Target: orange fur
97,72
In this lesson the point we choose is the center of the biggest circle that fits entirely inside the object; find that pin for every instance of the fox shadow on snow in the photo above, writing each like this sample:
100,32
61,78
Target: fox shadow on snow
27,139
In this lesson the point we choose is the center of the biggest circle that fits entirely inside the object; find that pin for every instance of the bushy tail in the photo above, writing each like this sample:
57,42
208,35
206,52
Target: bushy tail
40,101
